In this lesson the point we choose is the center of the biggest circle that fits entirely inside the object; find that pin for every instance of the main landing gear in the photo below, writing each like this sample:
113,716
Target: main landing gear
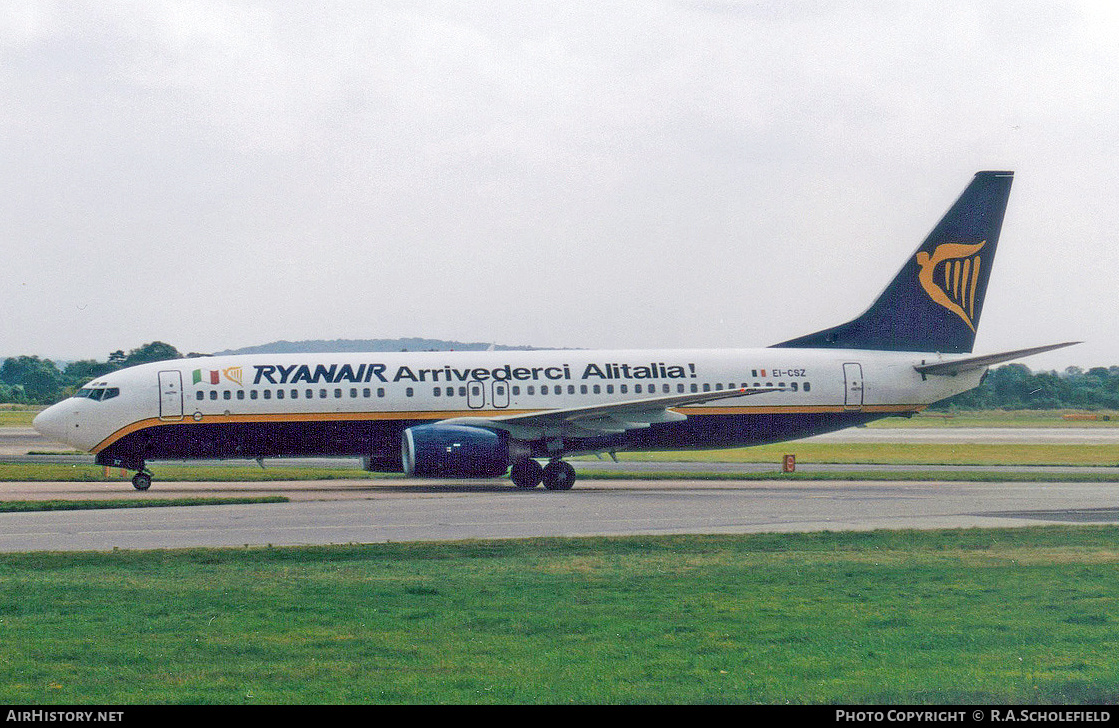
556,475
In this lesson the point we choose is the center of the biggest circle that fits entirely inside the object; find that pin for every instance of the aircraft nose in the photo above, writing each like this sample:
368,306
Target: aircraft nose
52,423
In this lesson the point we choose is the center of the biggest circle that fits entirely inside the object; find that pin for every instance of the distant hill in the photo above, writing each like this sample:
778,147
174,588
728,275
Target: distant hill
361,345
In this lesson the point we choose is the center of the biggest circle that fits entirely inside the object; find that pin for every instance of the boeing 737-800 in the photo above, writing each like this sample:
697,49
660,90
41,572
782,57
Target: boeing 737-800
481,414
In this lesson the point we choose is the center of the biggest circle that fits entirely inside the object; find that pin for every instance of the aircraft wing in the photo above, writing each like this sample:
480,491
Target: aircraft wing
601,419
952,368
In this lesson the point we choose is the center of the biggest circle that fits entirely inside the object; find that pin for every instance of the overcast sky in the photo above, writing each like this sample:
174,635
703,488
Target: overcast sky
575,174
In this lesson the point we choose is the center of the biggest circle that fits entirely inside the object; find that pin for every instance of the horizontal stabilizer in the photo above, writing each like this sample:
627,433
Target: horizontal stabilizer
951,368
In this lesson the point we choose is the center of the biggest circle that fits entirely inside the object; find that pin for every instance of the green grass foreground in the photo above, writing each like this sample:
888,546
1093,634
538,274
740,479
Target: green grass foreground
167,472
94,505
969,616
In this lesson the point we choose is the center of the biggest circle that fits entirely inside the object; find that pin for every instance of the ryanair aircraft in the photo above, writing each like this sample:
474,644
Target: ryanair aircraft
482,414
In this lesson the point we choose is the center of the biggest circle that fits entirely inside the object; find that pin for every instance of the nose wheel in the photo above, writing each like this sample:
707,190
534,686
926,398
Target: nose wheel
142,480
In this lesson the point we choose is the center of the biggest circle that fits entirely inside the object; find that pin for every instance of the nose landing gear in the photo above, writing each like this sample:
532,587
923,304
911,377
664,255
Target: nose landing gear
142,480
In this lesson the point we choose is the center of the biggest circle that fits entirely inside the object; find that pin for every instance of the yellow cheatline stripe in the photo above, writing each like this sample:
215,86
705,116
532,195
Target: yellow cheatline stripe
447,414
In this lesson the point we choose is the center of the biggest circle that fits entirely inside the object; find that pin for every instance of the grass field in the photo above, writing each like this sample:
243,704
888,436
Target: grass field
1004,418
13,416
973,616
47,472
901,453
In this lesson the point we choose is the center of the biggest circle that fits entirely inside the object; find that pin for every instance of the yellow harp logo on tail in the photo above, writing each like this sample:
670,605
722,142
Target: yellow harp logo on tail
952,285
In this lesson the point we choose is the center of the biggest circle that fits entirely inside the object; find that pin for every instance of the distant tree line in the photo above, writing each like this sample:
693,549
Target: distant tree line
1014,386
31,380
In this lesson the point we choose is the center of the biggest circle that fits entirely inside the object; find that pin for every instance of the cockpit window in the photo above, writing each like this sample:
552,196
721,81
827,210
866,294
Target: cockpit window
98,393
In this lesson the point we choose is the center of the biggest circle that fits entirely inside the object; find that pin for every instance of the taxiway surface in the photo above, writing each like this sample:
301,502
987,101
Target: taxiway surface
369,511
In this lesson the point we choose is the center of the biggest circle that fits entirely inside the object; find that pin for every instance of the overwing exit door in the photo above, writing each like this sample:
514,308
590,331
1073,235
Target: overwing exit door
500,394
475,395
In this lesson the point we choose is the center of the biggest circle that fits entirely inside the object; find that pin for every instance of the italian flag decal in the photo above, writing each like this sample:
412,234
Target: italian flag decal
201,375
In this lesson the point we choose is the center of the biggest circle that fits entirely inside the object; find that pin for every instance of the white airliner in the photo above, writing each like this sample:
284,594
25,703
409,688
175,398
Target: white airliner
481,414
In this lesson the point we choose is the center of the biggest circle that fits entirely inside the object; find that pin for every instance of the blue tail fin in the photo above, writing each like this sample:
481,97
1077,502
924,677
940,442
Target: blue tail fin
935,301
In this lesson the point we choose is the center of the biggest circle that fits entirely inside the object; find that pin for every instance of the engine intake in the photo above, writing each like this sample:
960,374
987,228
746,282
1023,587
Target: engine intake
454,451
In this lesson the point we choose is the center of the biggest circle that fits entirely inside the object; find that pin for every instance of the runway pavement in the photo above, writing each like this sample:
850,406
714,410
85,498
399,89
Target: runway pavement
364,511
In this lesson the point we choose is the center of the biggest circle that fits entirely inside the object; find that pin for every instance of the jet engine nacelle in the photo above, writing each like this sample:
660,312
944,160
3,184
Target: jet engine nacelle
454,451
